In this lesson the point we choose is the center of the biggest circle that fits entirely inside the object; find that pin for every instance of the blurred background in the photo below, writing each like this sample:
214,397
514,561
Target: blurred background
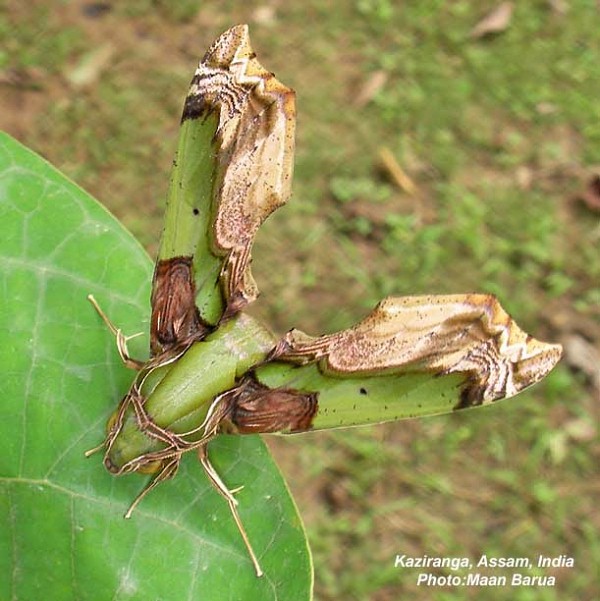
441,147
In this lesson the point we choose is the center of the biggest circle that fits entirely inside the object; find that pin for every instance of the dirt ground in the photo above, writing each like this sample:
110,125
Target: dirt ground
96,88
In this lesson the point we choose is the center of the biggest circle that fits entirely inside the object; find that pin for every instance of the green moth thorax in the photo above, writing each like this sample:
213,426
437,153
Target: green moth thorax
214,369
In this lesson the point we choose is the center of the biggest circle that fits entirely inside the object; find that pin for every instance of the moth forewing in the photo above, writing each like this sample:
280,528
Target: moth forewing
253,187
256,139
254,408
468,334
358,399
233,169
176,319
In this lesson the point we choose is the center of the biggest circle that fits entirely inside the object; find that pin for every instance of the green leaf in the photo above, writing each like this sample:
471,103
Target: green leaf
61,379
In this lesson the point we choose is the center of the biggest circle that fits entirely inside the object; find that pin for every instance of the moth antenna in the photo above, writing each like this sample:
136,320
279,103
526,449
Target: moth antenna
167,472
227,494
121,339
214,416
91,452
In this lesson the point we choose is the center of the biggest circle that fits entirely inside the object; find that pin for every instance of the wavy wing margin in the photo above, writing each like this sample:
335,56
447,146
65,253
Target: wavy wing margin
233,169
468,334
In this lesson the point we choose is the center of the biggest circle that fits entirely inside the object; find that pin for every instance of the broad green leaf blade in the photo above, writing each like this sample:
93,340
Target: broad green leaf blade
61,379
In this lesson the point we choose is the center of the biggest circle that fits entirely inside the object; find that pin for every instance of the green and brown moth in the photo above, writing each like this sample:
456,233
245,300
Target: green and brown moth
213,369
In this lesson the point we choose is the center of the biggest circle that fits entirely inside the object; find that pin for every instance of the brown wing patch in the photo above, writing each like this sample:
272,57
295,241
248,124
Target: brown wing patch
254,156
258,409
175,319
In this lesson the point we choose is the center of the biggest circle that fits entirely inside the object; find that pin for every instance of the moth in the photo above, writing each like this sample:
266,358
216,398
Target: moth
214,369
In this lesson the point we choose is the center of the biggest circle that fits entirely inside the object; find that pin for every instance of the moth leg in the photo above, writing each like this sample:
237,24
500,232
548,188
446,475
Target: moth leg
152,429
227,494
121,338
168,471
96,449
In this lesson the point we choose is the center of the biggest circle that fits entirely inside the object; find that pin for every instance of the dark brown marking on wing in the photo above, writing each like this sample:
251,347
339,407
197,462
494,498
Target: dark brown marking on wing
196,106
175,317
258,409
471,394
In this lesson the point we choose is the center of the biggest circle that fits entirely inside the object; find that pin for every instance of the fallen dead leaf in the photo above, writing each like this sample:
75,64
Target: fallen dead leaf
546,108
580,429
395,171
495,22
560,7
583,356
591,194
524,177
264,15
90,66
369,89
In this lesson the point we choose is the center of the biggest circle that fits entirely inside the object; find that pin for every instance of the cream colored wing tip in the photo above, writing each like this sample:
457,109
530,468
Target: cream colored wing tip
537,363
240,32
